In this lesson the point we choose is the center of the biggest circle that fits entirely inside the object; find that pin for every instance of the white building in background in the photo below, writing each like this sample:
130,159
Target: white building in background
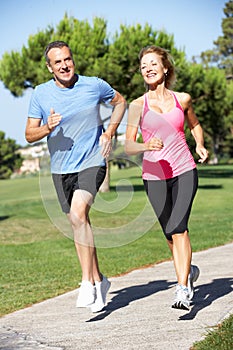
31,156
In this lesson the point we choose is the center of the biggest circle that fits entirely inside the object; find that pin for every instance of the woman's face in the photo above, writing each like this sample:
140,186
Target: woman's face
152,69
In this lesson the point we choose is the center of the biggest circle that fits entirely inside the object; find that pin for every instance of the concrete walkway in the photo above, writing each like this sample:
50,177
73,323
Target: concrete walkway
138,314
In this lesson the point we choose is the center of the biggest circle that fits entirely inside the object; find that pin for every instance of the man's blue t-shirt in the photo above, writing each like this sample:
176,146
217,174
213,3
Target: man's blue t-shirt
74,143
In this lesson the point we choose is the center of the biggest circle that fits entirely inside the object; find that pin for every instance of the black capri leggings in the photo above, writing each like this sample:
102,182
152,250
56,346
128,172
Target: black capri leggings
172,201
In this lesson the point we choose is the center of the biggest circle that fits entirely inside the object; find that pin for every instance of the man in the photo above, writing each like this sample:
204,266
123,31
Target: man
66,110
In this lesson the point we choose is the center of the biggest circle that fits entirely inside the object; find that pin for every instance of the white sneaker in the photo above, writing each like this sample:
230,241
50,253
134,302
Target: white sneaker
101,293
181,300
193,276
86,295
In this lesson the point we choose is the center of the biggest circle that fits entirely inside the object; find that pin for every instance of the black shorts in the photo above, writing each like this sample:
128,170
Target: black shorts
89,180
172,201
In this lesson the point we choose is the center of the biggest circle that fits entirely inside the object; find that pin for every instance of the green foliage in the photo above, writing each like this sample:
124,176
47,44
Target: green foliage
115,59
224,43
19,70
212,104
222,54
121,64
87,42
10,160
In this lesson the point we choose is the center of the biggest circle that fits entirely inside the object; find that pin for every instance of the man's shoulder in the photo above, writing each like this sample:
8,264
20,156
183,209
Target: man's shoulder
43,86
88,79
93,83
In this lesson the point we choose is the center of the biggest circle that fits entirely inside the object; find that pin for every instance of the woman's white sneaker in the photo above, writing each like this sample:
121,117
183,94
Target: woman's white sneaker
181,300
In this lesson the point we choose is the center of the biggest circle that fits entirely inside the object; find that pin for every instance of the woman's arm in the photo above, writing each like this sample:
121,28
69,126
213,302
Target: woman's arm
195,127
132,147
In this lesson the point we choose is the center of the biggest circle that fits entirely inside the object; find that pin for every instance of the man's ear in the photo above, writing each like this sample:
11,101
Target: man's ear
49,68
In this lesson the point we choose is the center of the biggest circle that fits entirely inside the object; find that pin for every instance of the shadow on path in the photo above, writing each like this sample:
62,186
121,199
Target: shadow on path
204,296
5,217
207,293
127,295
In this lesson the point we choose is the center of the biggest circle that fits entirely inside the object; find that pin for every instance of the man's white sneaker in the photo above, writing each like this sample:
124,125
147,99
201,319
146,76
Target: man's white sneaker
193,276
181,300
86,295
101,293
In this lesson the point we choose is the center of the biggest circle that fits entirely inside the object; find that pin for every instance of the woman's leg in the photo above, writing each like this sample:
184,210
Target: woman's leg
183,192
182,254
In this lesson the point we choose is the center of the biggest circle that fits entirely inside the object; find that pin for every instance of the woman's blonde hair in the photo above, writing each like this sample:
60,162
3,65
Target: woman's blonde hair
167,61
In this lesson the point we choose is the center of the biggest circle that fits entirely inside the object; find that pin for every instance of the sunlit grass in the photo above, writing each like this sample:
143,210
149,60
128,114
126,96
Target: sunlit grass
39,262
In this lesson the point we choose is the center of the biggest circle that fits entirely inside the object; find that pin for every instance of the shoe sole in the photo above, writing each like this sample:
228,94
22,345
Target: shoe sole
106,290
180,305
190,283
108,285
84,305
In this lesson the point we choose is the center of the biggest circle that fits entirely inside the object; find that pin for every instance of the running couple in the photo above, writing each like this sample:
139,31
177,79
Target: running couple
65,109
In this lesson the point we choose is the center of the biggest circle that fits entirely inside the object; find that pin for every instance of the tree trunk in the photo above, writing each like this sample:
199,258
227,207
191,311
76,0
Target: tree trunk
216,150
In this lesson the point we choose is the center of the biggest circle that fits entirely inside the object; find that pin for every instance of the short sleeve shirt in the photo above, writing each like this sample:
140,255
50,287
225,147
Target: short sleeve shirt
74,143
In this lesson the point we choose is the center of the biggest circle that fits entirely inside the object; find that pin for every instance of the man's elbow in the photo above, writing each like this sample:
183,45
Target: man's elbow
29,137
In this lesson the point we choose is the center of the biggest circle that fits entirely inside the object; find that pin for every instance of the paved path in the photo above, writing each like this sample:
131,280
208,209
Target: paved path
138,314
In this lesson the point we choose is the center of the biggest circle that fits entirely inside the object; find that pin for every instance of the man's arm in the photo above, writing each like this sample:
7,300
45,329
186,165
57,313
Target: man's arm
119,107
35,131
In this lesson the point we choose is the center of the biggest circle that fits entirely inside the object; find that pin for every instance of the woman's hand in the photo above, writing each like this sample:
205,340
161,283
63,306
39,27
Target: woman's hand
202,152
155,144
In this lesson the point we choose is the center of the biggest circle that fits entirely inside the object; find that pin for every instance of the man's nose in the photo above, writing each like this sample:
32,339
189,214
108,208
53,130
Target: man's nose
64,64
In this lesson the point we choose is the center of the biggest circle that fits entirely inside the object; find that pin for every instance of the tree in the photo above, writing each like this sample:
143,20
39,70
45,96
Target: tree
224,43
120,63
19,70
208,88
116,60
217,107
10,160
222,53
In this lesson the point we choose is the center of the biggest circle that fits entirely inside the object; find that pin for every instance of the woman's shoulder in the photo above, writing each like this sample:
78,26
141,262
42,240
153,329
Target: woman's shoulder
184,98
138,101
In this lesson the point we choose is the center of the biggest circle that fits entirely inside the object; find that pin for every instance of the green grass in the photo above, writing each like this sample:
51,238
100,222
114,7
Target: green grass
38,260
220,338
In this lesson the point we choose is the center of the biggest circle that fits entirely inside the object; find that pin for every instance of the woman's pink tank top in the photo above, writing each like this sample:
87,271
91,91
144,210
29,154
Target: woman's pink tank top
175,158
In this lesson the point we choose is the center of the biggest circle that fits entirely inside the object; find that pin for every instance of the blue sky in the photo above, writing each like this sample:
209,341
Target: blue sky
194,24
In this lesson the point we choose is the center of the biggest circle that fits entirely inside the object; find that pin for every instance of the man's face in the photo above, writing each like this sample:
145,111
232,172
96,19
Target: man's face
62,66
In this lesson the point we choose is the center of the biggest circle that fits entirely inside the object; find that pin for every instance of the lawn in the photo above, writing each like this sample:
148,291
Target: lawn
38,259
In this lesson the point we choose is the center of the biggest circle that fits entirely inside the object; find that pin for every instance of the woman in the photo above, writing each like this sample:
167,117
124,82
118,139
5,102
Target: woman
169,171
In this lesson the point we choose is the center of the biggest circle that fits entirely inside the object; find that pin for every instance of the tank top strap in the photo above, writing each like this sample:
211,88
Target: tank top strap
178,105
146,104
